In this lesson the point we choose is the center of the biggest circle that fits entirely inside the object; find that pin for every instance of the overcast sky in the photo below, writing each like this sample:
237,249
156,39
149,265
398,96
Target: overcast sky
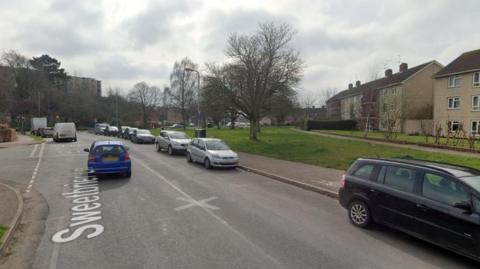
124,42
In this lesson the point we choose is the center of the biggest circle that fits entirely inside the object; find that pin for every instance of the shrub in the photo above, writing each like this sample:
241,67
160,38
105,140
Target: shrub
331,125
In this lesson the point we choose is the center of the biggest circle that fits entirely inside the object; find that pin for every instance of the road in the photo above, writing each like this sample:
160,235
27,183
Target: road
172,214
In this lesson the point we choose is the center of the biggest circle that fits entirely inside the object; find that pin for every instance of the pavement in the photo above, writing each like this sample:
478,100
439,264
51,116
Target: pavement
11,207
173,214
22,140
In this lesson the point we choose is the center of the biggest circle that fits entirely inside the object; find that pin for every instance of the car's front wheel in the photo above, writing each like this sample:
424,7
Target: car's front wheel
170,150
189,158
128,174
158,147
207,163
359,214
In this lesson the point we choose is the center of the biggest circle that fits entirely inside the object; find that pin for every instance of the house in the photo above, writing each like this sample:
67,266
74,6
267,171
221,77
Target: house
399,102
457,95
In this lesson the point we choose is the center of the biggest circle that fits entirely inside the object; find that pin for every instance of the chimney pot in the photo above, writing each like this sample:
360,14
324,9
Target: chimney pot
358,83
403,67
350,86
388,72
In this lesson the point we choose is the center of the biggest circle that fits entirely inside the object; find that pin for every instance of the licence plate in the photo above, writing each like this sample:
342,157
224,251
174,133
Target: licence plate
110,159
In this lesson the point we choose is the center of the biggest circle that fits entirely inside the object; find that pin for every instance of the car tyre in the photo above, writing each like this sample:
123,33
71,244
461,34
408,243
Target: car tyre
128,174
359,214
189,158
170,150
157,146
207,163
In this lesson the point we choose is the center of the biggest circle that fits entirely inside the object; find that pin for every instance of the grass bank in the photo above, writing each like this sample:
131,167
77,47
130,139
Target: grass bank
2,231
287,144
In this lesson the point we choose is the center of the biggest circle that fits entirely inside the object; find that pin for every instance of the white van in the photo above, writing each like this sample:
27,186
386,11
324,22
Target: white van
64,131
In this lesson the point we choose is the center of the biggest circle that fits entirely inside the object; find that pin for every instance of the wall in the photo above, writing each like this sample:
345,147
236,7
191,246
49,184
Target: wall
465,115
351,107
415,126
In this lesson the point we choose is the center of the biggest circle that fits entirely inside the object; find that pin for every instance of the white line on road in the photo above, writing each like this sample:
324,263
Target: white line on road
34,150
35,170
208,211
200,203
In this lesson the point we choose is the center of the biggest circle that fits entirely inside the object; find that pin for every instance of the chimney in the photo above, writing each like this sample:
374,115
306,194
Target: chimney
357,84
350,86
403,67
388,72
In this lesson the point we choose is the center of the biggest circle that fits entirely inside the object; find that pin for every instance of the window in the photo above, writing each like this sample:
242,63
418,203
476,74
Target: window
201,144
365,171
475,127
476,103
453,126
444,190
476,204
453,81
453,102
400,178
476,79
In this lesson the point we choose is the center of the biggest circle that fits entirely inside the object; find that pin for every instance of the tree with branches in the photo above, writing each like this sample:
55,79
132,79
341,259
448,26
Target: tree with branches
148,98
183,87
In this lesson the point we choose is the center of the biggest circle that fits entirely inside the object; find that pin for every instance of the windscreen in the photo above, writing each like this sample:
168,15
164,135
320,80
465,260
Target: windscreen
114,150
178,135
216,145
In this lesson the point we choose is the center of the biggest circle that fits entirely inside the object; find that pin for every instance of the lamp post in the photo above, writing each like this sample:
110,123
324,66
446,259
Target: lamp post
188,69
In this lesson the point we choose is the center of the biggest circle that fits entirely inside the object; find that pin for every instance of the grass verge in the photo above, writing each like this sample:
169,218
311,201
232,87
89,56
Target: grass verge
287,144
37,138
3,229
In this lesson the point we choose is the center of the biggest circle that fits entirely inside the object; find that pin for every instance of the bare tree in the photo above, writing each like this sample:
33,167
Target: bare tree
325,95
147,97
183,87
264,63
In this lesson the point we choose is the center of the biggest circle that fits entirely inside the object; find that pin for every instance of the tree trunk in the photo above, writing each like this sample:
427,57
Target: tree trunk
253,129
259,129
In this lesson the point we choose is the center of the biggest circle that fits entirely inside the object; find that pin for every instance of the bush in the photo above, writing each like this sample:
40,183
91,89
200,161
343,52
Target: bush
331,125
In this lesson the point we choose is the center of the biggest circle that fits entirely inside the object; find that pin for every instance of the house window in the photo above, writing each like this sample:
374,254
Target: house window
476,79
453,126
453,102
476,103
475,127
453,81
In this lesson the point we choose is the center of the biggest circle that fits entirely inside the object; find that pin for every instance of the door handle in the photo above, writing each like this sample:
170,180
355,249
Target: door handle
373,190
423,207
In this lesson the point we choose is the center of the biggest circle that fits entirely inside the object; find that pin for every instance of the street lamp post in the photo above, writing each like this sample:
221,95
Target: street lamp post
188,69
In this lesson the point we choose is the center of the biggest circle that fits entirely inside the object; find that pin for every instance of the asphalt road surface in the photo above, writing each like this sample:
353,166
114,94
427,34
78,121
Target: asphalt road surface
172,214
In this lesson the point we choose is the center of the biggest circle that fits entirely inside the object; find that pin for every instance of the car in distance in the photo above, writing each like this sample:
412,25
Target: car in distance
64,131
100,128
141,136
108,157
121,132
211,152
46,132
112,130
130,133
176,126
172,141
435,202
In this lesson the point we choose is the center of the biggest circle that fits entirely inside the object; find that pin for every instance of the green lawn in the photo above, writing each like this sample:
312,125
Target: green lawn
403,137
2,231
37,138
288,144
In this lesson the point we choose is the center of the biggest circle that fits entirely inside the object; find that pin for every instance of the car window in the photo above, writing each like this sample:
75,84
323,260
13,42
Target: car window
400,178
201,144
476,204
365,171
444,190
216,145
109,150
178,135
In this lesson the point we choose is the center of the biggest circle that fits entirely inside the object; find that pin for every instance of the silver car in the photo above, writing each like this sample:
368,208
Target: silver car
211,152
172,141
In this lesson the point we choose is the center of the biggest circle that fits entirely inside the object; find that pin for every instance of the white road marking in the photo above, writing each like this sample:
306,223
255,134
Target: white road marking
35,170
34,150
208,211
56,247
200,203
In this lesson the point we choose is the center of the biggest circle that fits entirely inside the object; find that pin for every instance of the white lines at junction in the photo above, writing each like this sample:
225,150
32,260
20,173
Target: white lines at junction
35,171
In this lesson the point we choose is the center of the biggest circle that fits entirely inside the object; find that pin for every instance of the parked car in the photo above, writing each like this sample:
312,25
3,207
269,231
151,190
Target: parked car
46,132
100,128
142,136
112,131
64,131
122,130
109,157
176,126
172,141
211,152
436,202
131,132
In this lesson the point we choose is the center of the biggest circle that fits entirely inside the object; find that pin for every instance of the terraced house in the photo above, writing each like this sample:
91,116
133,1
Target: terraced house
457,94
400,102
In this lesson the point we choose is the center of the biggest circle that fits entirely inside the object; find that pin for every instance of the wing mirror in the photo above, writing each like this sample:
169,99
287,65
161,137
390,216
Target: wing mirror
464,206
86,150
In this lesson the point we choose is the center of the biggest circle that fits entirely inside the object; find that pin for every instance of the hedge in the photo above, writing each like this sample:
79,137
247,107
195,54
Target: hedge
331,125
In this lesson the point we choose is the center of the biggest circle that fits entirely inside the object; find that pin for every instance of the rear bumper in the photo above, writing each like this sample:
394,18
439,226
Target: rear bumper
101,168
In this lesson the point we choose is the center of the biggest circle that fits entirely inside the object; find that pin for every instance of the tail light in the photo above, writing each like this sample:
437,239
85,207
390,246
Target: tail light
127,157
342,182
91,158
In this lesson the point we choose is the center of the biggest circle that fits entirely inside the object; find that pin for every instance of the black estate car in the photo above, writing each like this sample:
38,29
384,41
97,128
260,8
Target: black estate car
436,202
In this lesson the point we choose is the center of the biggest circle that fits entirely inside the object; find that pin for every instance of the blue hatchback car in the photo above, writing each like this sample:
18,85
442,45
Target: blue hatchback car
109,157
